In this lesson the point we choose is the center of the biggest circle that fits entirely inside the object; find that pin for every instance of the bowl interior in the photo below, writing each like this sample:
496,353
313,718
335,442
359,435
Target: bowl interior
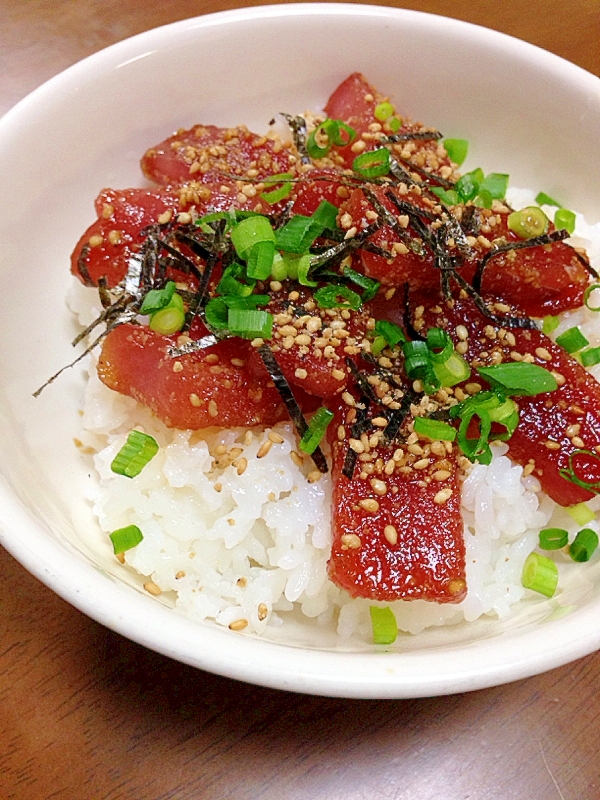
524,111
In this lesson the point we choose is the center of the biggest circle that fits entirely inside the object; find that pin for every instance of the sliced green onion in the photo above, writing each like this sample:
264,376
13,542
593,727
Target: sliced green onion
453,370
250,323
124,539
519,378
324,216
565,219
586,296
457,150
475,449
449,197
229,283
550,324
302,270
543,199
572,340
434,429
250,231
590,357
373,164
528,222
281,192
392,333
384,111
297,235
377,345
383,622
417,362
279,268
540,574
253,301
496,183
260,260
584,545
370,287
583,470
581,513
483,199
328,297
169,320
394,124
553,538
334,131
468,185
216,313
138,450
156,299
316,430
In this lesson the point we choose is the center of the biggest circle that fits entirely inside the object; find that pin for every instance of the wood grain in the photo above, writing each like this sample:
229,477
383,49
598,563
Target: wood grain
88,715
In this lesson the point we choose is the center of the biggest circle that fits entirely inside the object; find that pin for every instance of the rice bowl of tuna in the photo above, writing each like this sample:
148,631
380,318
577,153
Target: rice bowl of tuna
240,568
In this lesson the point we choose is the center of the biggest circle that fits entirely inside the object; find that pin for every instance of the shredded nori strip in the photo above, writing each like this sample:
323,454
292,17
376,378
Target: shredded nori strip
429,177
360,425
390,220
82,266
336,254
397,417
535,241
471,221
407,316
193,346
409,136
298,127
291,404
502,321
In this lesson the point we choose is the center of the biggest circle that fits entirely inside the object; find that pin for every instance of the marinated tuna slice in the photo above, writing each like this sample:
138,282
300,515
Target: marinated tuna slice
355,101
211,387
396,524
540,280
104,249
311,344
209,154
559,431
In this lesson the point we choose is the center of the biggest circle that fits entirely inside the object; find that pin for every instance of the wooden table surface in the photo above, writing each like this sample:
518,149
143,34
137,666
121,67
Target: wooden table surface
88,715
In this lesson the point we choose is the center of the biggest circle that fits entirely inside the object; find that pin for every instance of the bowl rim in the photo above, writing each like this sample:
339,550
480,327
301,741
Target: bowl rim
248,658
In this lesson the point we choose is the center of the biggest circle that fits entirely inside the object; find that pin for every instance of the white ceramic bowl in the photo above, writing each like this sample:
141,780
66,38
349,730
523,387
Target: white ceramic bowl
525,111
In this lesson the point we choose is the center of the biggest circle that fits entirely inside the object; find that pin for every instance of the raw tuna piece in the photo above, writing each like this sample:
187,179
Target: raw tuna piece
212,387
553,426
209,154
398,535
538,280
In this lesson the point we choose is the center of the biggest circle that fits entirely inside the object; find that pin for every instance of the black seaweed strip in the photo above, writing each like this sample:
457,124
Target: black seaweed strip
338,252
362,382
193,347
412,136
185,264
429,177
355,433
149,259
195,246
291,404
397,417
390,220
507,321
585,263
536,241
82,266
298,127
407,317
471,220
103,293
454,230
127,316
124,305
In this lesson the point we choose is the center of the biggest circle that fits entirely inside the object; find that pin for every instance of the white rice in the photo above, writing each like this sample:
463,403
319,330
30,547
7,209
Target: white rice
247,550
